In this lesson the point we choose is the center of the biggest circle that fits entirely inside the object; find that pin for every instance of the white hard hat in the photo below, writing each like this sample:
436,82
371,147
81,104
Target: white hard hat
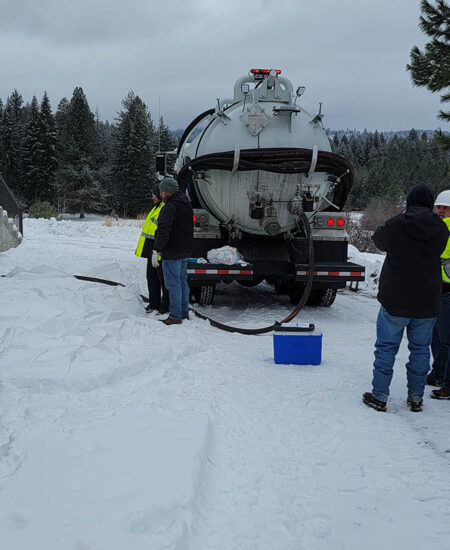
443,199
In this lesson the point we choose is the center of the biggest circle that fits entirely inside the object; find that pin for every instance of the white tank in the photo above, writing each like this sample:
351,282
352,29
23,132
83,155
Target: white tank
260,158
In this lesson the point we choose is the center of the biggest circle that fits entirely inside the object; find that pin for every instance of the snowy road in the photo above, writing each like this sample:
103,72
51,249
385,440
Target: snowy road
118,432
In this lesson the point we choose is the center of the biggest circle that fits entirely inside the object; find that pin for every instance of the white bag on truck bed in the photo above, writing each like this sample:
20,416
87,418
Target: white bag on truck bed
225,255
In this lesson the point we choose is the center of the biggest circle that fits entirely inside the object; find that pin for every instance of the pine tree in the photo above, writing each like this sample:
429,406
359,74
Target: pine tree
31,152
77,177
62,145
48,150
133,164
166,142
12,130
431,68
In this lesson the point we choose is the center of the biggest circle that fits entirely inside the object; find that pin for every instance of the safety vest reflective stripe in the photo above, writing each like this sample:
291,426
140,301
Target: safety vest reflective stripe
445,256
446,267
149,229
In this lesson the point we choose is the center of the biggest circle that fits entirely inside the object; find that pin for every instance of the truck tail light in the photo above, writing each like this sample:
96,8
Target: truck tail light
330,222
341,222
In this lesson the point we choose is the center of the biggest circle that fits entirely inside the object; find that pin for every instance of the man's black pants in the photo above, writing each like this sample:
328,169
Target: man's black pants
156,288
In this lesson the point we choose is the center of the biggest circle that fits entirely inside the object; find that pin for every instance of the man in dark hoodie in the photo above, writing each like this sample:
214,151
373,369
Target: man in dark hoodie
409,291
174,241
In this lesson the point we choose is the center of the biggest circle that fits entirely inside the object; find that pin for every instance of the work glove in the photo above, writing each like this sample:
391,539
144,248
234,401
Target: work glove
155,262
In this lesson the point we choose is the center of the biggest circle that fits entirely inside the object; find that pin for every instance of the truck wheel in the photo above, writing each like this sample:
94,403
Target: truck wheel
205,295
325,297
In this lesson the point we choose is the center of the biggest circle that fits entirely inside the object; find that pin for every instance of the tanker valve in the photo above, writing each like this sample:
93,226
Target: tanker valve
256,205
256,211
308,203
270,223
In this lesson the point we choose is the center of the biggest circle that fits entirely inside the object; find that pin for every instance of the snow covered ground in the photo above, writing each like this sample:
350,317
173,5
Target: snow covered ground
117,432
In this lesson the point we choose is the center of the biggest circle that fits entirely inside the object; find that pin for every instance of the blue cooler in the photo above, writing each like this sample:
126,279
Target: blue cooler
297,344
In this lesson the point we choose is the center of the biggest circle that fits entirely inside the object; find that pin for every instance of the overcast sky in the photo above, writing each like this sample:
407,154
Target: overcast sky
350,54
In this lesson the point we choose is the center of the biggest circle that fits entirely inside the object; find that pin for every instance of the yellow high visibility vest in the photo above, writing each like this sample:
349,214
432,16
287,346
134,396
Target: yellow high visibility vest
149,229
445,256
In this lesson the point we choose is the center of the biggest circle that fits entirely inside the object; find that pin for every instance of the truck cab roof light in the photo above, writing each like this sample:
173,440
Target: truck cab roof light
264,71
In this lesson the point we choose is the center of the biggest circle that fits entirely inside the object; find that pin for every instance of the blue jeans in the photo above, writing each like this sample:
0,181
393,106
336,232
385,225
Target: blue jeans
440,345
389,335
175,277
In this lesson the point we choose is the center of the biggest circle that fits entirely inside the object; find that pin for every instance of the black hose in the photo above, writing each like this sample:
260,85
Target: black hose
191,126
294,313
96,280
280,161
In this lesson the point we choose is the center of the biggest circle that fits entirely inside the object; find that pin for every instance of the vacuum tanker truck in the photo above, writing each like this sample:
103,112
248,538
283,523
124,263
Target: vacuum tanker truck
251,166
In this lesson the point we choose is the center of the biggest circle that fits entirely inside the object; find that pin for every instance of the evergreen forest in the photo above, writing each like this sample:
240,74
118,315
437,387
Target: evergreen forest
388,164
79,163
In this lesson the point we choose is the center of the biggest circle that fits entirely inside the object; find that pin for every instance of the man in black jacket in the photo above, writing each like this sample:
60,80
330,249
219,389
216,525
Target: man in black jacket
409,290
174,241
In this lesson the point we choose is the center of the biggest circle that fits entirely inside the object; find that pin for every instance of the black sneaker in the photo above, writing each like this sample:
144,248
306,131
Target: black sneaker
150,309
443,393
373,402
415,406
433,380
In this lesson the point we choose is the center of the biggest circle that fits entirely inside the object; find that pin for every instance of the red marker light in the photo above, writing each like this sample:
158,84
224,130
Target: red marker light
330,222
264,71
340,222
194,218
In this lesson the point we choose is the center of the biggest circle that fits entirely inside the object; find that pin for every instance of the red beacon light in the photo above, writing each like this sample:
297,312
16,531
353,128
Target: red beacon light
330,222
341,222
261,73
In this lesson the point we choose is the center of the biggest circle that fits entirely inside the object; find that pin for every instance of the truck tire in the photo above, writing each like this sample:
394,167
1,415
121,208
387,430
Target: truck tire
205,295
325,296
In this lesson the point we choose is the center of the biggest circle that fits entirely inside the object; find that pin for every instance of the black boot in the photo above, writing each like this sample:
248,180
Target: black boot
443,393
433,380
415,406
373,402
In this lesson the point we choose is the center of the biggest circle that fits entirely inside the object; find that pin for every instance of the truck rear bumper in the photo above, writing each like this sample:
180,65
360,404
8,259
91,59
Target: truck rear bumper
331,272
337,273
219,272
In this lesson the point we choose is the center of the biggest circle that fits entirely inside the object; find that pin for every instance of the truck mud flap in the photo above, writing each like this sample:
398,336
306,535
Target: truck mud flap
218,272
331,272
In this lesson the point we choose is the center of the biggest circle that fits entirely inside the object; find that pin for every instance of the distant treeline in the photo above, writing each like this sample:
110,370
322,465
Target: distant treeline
388,168
77,162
